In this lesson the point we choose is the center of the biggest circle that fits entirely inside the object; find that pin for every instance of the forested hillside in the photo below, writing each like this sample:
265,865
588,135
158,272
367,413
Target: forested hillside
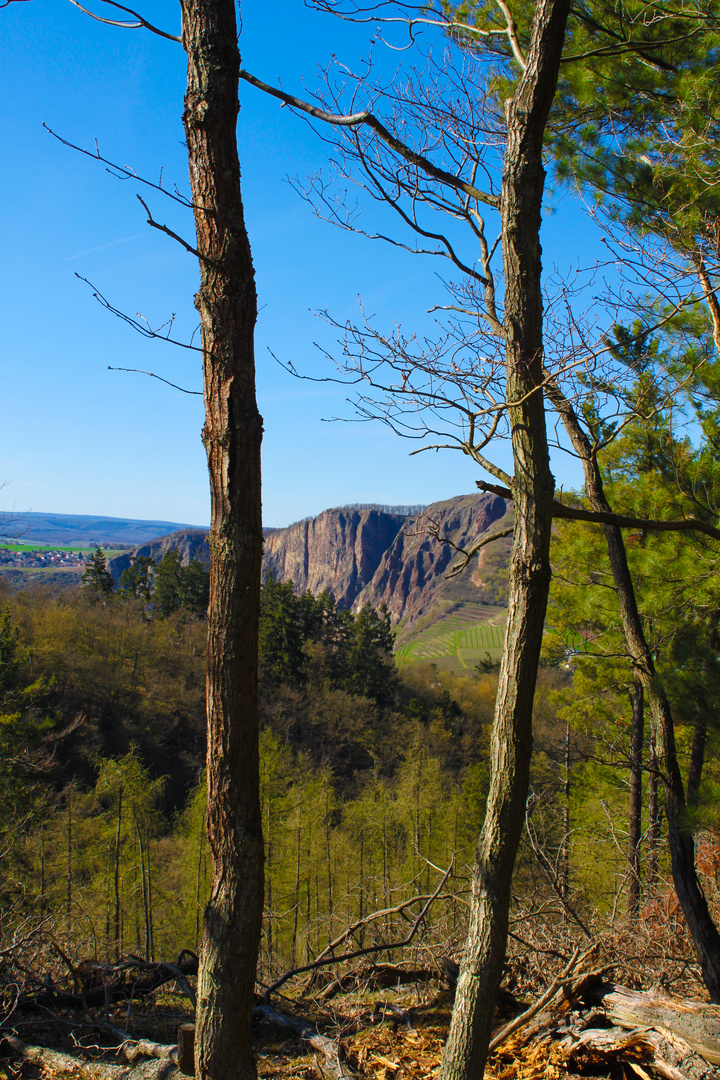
254,794
371,777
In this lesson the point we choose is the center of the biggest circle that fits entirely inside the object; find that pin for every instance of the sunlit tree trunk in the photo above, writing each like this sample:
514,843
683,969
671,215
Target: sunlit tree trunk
636,777
227,304
529,574
118,843
565,842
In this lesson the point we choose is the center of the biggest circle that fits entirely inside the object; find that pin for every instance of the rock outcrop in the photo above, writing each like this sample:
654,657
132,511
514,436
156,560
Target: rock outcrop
191,543
339,550
374,556
411,577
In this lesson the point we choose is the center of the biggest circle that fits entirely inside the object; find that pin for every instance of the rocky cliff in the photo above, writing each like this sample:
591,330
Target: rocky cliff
376,556
191,543
411,576
339,550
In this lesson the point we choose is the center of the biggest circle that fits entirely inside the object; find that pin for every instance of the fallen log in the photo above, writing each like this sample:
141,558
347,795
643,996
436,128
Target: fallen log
551,1009
374,977
55,1063
328,1059
131,1050
642,1048
131,978
697,1023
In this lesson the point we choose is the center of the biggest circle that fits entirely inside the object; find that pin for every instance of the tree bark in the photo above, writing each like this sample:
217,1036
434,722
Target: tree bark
636,777
654,815
227,304
565,843
703,931
529,575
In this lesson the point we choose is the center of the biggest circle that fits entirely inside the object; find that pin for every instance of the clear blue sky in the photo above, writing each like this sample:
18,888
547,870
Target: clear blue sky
77,438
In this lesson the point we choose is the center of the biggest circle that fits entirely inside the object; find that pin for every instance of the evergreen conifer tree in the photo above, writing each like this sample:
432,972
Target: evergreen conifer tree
97,580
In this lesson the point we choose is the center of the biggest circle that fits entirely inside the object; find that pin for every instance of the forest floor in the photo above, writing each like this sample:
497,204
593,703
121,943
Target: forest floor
359,1023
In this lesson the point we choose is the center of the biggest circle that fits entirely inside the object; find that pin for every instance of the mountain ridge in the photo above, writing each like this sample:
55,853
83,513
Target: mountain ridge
374,556
65,530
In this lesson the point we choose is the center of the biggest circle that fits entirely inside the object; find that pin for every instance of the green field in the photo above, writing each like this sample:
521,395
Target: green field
460,640
38,548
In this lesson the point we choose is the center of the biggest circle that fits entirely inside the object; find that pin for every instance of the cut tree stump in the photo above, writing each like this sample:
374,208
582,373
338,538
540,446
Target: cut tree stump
186,1049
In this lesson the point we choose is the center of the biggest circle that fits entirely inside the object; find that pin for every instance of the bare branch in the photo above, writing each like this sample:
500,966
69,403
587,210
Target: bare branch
152,375
621,521
121,172
168,232
367,118
327,956
141,24
139,324
512,34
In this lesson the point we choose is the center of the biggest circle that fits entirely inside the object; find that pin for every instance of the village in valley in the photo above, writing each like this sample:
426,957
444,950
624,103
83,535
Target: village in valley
41,558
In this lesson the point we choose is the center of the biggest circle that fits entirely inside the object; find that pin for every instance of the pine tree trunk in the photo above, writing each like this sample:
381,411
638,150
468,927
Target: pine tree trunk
703,931
654,816
227,304
529,575
636,778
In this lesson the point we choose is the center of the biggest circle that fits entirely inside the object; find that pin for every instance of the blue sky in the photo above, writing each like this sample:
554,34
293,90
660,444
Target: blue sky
78,438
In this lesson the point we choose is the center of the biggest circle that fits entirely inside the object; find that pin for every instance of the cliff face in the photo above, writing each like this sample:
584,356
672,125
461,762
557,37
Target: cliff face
373,556
410,578
191,543
339,550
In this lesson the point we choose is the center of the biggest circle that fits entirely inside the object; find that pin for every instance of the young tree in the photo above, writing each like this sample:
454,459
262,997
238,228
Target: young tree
97,580
136,580
195,588
166,584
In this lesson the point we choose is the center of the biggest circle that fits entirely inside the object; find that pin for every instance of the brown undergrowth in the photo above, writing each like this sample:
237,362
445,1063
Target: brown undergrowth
389,1019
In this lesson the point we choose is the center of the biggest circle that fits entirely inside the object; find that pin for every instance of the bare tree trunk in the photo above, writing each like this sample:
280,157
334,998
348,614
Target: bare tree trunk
533,487
296,905
700,728
151,929
68,875
43,899
328,853
144,882
565,843
268,885
704,933
636,777
118,839
198,880
227,304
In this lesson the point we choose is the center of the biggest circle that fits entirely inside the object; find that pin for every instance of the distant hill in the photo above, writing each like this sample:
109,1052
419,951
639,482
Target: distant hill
67,530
